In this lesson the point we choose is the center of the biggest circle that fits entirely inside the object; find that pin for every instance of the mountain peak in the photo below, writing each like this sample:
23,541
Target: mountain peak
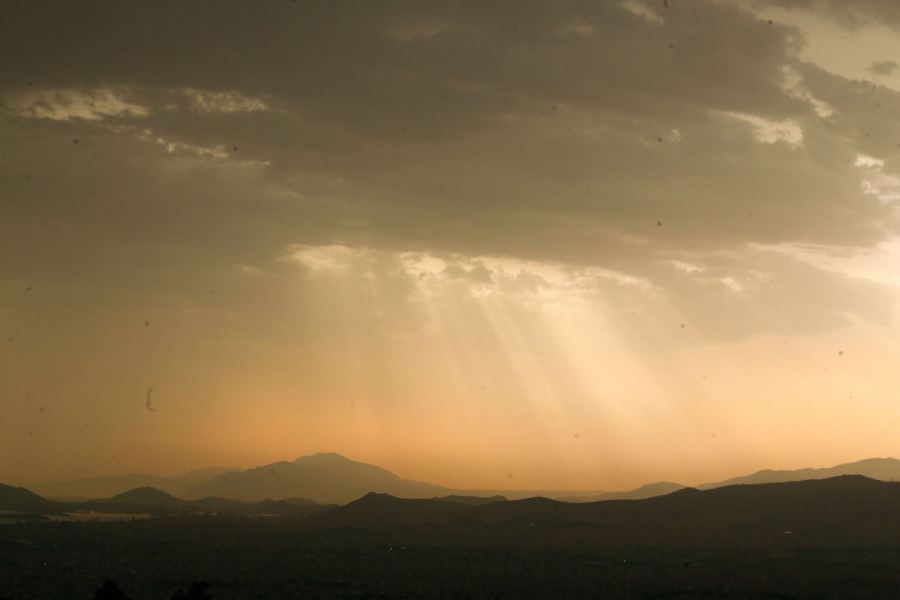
145,495
325,477
323,457
19,498
375,496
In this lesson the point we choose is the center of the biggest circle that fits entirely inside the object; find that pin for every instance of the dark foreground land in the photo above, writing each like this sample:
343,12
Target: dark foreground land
828,540
153,559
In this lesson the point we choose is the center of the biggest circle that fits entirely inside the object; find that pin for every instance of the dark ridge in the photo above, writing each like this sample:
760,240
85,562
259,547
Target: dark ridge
21,499
146,496
884,469
840,501
324,477
377,510
850,496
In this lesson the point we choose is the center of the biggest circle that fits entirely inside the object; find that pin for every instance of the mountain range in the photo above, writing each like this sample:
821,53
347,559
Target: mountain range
857,508
329,478
325,477
846,505
104,487
834,538
850,508
884,469
20,503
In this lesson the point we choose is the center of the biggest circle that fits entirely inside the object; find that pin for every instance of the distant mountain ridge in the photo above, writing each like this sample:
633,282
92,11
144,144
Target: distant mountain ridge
324,477
105,487
883,469
144,500
842,500
645,491
854,504
329,478
846,505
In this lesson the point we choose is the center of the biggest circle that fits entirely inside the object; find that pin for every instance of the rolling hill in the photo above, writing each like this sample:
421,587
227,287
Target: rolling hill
846,499
852,507
146,499
146,496
20,499
382,510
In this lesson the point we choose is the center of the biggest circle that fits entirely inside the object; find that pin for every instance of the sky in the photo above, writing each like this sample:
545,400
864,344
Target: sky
571,245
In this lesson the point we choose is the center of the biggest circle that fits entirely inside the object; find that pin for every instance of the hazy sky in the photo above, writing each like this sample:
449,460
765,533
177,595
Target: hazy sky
559,244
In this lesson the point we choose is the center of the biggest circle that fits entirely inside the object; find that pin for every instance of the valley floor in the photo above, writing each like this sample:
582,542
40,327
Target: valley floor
283,558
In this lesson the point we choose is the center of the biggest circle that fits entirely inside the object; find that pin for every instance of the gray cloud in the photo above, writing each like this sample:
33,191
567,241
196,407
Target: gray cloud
363,223
848,14
217,135
884,67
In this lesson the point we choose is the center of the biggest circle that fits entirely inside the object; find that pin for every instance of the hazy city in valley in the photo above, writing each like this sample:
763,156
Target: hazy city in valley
494,299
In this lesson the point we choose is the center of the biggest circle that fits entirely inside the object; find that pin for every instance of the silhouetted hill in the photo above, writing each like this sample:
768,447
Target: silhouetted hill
645,491
832,538
330,478
325,477
23,500
884,469
105,487
849,505
147,496
150,500
845,500
378,510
